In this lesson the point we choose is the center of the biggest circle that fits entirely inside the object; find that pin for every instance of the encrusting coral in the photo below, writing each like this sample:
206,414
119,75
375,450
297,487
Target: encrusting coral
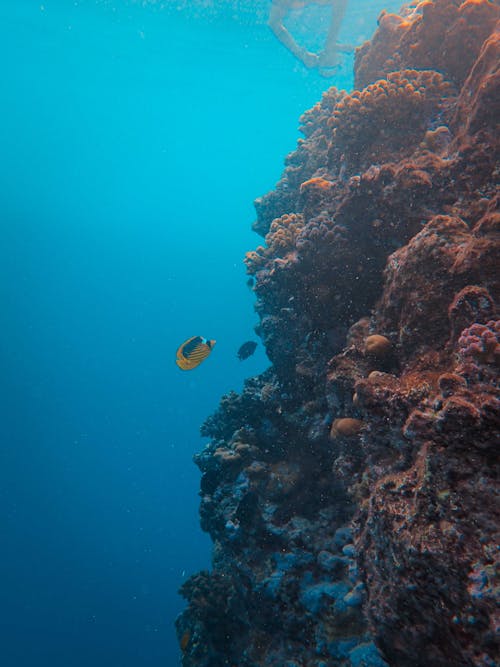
351,490
446,36
301,165
280,241
387,119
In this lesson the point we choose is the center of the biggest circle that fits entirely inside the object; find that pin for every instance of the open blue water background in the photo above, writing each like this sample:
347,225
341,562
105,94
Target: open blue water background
134,138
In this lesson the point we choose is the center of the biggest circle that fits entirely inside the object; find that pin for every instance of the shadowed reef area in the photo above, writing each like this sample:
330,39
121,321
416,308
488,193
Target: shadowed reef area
350,490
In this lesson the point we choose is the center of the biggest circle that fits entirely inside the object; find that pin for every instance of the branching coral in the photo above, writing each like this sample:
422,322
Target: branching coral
315,121
280,241
306,162
388,119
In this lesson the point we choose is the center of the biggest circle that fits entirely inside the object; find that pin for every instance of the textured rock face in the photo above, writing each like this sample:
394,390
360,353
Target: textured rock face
350,490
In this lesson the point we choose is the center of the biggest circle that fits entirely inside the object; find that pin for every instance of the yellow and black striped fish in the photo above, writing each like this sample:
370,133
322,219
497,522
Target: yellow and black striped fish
192,352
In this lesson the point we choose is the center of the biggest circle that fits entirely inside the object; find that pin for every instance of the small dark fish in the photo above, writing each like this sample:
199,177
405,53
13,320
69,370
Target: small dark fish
250,283
246,350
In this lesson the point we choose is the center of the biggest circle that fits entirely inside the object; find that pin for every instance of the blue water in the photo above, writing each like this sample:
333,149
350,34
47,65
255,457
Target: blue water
134,137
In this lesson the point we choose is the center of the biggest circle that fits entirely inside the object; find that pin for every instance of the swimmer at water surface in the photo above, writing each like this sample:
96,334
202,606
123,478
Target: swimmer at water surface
328,57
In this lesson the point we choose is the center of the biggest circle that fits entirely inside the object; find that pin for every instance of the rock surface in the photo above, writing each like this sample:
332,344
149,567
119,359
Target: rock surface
351,490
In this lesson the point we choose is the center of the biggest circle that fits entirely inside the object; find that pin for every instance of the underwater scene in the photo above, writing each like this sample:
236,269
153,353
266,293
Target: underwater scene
250,336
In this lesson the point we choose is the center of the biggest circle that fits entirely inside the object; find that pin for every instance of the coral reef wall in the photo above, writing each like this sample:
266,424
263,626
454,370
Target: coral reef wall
350,490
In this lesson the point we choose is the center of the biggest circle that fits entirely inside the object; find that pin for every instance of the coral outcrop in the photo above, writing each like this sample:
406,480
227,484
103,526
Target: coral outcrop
351,490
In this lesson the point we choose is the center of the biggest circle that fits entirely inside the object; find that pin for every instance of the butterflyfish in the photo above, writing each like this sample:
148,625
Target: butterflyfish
246,350
192,352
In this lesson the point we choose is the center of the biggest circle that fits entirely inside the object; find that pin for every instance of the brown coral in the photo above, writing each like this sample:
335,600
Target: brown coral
386,120
346,427
378,346
280,242
441,34
478,107
410,306
306,162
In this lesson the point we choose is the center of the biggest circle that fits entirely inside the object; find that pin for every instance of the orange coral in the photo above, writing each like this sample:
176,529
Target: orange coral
441,34
478,107
317,184
185,640
316,118
437,140
255,259
408,98
346,427
377,345
306,162
280,241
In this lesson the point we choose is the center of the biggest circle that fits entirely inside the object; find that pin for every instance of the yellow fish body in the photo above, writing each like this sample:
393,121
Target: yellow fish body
193,351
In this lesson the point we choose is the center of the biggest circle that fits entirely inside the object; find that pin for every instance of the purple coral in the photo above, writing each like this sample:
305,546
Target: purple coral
481,343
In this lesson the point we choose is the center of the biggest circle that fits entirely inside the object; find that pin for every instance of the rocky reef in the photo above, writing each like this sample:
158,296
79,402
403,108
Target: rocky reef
351,490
